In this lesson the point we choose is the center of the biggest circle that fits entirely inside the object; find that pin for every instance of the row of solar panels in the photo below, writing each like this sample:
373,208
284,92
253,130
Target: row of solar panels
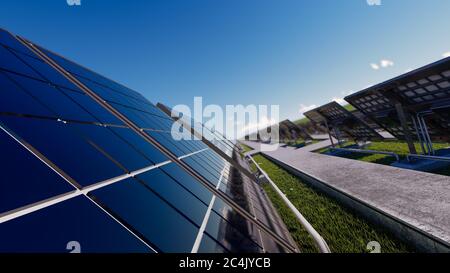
395,106
287,131
87,160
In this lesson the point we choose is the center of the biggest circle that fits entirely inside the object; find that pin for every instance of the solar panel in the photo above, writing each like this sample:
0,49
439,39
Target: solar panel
292,131
422,93
341,123
98,153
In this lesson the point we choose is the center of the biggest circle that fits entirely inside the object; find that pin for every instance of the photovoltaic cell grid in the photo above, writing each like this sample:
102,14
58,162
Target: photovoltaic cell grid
90,179
425,90
341,122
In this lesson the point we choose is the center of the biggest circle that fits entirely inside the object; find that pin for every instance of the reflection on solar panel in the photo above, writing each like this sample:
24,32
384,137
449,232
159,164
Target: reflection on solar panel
243,180
102,169
341,123
405,104
201,131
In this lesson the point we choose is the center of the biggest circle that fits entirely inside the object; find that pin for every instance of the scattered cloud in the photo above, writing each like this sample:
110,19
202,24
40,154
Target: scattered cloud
375,66
252,127
446,54
374,2
305,108
384,63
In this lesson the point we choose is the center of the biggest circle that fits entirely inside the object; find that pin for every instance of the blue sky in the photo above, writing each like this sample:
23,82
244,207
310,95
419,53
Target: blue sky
295,53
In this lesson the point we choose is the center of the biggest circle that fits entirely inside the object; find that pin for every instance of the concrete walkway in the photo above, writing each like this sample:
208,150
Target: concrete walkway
417,198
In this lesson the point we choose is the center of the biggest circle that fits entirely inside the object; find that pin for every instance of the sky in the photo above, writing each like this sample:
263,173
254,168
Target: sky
297,54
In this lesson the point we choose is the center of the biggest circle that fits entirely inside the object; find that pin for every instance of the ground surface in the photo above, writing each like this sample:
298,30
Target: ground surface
343,231
417,198
398,147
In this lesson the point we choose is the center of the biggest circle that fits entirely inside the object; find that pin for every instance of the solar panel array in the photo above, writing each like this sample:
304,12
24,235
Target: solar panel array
341,123
75,170
425,91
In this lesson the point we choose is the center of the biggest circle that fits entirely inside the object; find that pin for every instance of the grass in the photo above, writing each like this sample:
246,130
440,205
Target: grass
344,231
302,121
398,147
246,148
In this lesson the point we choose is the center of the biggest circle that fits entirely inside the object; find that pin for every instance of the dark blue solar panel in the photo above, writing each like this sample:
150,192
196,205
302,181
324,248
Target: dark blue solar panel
213,178
25,179
79,136
60,144
95,109
209,245
77,219
11,63
46,71
150,216
188,181
147,149
121,151
16,100
167,143
175,194
8,40
229,236
63,106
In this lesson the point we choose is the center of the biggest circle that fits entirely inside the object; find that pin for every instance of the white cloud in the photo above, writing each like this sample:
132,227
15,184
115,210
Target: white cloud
446,54
305,108
384,63
341,101
251,127
375,66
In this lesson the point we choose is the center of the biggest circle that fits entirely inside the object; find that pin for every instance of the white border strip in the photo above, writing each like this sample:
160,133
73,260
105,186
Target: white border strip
201,231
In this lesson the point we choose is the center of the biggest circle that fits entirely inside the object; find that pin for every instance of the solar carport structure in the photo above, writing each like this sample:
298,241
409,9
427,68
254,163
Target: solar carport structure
413,106
341,123
87,160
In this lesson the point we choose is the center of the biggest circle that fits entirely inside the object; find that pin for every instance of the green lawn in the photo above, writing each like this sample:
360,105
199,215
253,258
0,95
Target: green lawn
398,147
343,231
246,148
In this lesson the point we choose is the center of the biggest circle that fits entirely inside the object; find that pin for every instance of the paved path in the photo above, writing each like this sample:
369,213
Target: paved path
418,198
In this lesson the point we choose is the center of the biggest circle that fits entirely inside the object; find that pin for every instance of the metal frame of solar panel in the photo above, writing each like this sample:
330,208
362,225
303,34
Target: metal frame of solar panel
413,106
341,123
99,155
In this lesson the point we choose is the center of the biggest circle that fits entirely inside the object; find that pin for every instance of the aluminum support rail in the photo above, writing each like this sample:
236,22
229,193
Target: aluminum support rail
428,157
367,152
319,241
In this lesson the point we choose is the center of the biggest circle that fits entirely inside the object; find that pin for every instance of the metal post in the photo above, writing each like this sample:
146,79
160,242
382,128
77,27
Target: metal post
418,135
329,134
406,132
318,239
427,135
